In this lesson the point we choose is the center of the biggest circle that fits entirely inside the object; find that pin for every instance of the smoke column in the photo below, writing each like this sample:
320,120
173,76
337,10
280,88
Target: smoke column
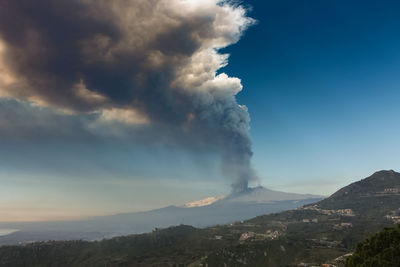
149,64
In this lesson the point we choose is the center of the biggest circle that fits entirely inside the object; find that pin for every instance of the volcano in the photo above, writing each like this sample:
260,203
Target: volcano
206,212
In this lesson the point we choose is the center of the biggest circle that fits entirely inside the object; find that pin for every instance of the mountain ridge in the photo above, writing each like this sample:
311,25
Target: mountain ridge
234,207
381,184
262,194
377,182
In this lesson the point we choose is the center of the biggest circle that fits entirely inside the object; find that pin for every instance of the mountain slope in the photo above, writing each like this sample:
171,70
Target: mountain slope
380,182
234,207
323,232
203,202
374,195
257,194
261,194
310,235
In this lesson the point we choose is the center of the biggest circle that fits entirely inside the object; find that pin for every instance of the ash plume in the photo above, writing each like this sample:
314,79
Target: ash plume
150,65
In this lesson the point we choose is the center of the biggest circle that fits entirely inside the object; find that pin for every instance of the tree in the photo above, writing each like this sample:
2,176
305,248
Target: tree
382,249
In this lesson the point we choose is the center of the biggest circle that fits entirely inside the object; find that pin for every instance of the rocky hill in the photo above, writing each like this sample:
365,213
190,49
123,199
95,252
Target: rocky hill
381,182
375,195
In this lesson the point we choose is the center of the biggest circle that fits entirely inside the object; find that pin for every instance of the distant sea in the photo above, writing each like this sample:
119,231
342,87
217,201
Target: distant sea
5,231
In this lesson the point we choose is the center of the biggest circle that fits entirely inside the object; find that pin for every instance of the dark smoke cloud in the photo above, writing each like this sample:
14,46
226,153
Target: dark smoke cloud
149,65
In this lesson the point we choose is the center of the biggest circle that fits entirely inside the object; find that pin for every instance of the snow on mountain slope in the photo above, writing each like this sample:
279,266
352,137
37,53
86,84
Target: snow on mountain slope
203,202
206,212
257,194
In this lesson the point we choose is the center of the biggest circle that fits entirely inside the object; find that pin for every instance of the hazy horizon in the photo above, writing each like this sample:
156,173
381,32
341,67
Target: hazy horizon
125,107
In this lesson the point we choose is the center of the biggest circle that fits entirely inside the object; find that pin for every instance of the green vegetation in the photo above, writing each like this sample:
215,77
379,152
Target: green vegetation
382,249
175,245
324,232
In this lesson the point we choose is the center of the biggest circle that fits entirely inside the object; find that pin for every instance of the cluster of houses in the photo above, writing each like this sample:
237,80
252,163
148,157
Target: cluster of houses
393,190
303,264
342,212
394,216
339,261
269,234
315,220
343,225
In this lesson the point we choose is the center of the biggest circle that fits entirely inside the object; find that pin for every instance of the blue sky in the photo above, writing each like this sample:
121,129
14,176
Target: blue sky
320,80
322,86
